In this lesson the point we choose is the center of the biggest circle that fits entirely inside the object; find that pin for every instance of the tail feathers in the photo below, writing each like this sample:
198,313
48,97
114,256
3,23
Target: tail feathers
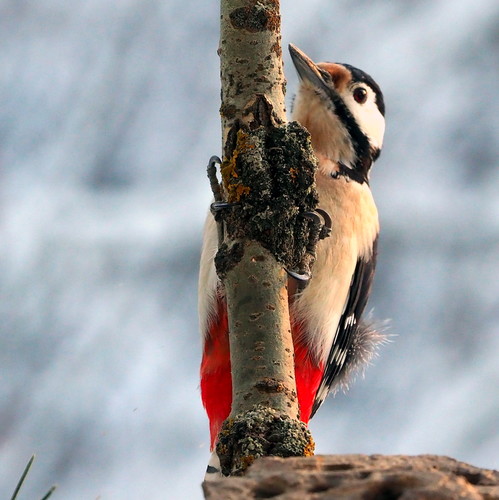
213,470
370,335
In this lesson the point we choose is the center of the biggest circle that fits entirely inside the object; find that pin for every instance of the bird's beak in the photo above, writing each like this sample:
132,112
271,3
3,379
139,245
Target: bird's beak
306,68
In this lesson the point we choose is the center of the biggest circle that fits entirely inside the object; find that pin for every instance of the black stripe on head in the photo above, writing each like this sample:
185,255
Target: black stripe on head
375,152
354,174
360,141
323,82
360,76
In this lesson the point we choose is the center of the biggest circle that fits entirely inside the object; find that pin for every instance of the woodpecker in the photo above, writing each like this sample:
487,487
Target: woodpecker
343,109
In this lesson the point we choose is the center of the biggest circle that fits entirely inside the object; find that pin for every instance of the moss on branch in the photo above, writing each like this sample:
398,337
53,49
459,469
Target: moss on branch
270,177
259,432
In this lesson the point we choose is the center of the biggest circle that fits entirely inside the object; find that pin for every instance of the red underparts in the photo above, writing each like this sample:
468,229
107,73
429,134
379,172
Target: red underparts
216,382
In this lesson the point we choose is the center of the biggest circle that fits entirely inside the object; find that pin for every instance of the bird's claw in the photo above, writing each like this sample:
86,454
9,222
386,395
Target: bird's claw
320,216
211,170
328,224
302,277
214,160
320,229
219,206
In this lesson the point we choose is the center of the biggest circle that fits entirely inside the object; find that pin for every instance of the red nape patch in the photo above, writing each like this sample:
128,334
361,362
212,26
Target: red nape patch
308,377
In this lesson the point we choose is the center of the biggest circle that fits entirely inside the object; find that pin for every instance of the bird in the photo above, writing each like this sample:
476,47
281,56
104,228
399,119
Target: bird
343,109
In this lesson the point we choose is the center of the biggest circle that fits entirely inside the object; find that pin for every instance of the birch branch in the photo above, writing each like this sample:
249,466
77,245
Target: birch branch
268,177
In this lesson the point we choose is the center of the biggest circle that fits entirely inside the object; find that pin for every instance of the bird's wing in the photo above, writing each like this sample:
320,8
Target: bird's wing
345,348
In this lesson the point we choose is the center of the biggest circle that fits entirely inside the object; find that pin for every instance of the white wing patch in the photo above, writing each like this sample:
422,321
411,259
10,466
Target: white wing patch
350,321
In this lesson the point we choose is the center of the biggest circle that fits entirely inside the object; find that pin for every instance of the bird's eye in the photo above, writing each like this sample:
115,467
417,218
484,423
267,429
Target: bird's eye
360,95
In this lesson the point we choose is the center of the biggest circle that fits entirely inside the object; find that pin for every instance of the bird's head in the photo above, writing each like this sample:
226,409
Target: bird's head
343,109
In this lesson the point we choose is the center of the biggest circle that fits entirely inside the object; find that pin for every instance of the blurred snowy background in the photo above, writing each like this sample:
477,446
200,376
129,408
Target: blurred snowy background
108,115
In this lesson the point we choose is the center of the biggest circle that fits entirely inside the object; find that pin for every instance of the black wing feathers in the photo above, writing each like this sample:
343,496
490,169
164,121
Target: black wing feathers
341,353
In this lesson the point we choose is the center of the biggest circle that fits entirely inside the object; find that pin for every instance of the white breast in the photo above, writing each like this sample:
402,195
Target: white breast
355,226
208,279
319,307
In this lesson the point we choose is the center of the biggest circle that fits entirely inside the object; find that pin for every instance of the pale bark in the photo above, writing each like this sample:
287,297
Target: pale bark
260,331
250,60
356,477
262,233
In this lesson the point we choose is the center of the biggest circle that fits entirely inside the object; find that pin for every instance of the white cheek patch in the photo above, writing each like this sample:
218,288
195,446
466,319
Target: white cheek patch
367,115
329,135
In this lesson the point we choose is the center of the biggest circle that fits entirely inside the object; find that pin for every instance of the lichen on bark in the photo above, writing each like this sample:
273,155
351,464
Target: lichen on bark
270,178
260,432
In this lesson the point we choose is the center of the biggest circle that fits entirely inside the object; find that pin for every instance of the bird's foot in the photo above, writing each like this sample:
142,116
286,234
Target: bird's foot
320,228
218,207
211,170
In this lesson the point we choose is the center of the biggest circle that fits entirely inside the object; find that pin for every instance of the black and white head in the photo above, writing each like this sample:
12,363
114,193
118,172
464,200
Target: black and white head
343,109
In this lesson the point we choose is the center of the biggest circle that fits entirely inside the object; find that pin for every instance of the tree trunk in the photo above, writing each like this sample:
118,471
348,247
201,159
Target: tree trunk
268,177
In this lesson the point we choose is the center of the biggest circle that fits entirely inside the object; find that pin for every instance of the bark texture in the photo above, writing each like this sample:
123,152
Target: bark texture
257,299
250,61
359,477
268,178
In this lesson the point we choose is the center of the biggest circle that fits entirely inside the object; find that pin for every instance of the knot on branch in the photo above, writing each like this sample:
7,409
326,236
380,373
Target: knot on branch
269,177
260,432
256,18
